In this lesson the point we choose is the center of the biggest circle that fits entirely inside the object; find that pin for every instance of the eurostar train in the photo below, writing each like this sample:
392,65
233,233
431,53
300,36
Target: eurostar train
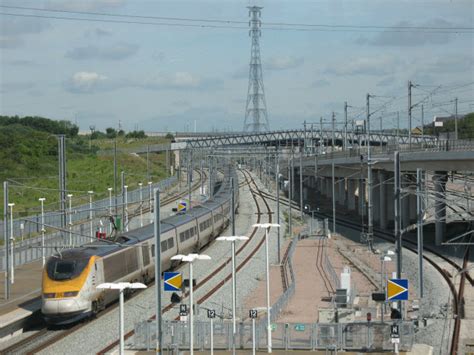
71,277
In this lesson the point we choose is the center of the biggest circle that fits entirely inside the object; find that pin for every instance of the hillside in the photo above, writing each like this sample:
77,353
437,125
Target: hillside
29,161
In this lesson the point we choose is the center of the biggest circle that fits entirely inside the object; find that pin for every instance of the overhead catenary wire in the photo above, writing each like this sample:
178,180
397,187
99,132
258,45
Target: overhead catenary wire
325,28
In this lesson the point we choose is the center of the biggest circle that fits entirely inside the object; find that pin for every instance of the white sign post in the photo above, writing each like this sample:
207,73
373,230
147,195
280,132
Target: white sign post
211,314
395,337
253,313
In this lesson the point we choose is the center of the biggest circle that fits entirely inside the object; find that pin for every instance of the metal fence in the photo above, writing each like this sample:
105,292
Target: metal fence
285,297
357,336
32,224
30,249
334,278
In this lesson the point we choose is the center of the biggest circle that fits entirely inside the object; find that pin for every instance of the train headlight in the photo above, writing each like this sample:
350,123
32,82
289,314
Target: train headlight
49,295
71,294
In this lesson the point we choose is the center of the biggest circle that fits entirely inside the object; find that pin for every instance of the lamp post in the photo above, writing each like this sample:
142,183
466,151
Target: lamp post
121,286
267,226
110,209
383,259
12,242
90,210
125,188
150,200
141,204
190,258
69,196
232,240
41,200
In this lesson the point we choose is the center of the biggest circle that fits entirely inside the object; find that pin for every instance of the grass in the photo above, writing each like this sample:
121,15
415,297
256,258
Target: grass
129,143
84,172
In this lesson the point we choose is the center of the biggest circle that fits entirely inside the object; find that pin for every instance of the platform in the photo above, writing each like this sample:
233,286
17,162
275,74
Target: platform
24,298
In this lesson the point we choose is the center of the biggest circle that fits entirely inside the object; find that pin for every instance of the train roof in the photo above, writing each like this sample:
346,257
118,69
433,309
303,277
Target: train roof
127,239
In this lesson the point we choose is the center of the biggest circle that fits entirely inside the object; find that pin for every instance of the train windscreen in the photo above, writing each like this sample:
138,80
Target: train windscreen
59,269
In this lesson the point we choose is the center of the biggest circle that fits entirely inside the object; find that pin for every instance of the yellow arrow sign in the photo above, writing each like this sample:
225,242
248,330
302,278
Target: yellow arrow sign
173,281
397,289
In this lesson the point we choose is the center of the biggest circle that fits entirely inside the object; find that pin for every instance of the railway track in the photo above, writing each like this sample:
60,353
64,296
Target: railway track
320,267
45,337
249,180
457,294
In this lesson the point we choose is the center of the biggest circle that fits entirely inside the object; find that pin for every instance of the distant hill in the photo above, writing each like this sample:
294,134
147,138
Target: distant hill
29,160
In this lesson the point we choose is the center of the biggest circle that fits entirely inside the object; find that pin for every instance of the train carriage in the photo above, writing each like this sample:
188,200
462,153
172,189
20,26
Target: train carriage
71,277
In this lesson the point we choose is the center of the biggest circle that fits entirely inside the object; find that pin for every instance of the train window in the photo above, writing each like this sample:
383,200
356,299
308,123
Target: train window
60,269
170,243
153,250
164,245
181,237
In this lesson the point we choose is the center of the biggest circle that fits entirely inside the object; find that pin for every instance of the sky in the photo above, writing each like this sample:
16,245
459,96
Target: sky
108,71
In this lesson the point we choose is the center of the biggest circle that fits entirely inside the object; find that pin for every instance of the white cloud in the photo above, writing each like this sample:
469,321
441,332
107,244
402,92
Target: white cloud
282,63
86,82
90,82
115,52
364,66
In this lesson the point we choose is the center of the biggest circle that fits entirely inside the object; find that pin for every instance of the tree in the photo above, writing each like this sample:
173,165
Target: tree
111,132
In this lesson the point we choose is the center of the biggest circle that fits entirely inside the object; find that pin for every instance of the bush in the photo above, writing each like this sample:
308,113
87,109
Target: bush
42,124
136,134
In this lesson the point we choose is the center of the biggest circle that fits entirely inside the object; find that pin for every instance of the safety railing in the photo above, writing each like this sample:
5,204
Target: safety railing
439,145
32,224
30,249
285,297
356,336
334,278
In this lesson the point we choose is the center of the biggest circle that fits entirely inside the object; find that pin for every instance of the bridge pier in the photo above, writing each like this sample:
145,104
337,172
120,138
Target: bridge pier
327,189
362,197
439,180
342,191
389,200
351,198
412,200
376,198
382,199
405,202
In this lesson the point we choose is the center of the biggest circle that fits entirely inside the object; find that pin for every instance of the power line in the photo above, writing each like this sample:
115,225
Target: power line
330,28
236,21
